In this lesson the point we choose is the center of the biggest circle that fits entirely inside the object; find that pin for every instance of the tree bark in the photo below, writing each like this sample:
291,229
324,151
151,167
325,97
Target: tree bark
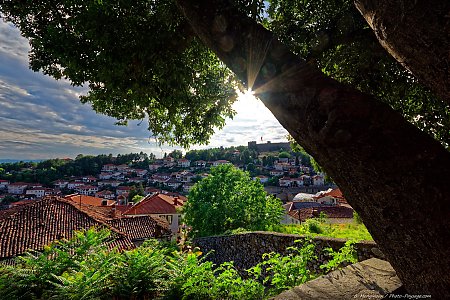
395,176
417,34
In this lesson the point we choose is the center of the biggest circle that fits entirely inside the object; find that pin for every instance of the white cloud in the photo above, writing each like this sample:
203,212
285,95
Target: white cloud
43,118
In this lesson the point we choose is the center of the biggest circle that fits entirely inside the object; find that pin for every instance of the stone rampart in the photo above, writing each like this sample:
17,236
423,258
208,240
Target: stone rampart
246,249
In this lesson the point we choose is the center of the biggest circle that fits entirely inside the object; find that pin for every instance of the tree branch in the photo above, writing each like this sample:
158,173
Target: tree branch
385,166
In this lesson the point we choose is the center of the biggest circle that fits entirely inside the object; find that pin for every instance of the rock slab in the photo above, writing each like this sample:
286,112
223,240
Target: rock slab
369,279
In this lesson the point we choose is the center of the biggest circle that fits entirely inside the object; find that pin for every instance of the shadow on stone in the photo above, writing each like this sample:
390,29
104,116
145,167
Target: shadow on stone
373,278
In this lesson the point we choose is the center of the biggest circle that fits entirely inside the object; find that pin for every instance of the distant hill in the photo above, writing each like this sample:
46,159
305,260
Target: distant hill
3,161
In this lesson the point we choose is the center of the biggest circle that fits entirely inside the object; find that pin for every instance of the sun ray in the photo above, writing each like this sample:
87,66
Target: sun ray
256,54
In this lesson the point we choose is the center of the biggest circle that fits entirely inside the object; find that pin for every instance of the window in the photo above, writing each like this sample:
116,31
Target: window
169,218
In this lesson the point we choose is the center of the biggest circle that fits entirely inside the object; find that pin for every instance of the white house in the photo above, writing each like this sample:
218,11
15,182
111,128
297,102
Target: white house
276,173
87,190
306,179
296,181
60,184
261,178
4,184
122,167
104,176
38,192
305,169
220,162
162,175
112,183
17,188
137,179
318,180
184,163
185,176
89,179
283,160
200,163
169,161
109,168
141,172
72,185
105,195
173,183
118,176
285,181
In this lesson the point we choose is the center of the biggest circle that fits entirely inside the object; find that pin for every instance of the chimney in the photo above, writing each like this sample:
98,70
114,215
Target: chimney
175,201
104,202
116,213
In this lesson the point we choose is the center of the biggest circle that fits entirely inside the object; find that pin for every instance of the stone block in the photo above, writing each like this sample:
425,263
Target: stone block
369,279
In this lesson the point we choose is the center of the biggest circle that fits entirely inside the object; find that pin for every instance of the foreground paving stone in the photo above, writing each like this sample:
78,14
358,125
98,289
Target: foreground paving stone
369,279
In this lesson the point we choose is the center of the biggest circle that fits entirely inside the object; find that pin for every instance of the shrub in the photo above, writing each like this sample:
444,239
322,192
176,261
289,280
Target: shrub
357,218
347,254
279,272
83,268
313,226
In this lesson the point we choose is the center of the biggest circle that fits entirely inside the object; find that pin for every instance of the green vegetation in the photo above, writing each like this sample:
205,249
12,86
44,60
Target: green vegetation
286,271
148,62
84,268
334,36
236,155
284,154
47,171
346,254
229,199
314,227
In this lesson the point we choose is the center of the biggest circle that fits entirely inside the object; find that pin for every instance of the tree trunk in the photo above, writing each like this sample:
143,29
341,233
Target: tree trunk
417,34
395,176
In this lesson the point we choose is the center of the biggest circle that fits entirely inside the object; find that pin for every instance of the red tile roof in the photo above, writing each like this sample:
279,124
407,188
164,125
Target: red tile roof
141,227
89,200
34,225
335,193
154,204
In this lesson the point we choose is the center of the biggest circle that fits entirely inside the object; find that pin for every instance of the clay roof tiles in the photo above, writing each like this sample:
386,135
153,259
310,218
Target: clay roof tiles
154,204
89,200
141,227
34,225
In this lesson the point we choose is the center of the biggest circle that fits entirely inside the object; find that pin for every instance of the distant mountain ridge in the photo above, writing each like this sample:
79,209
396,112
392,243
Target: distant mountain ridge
7,160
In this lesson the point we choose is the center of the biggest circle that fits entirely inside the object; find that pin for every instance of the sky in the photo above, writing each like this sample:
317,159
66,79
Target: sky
42,118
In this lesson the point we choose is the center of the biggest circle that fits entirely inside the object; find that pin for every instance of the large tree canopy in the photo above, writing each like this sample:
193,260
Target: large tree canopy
229,199
141,59
322,78
335,37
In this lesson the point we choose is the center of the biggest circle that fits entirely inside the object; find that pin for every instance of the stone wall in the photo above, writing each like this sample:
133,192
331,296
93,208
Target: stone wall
246,249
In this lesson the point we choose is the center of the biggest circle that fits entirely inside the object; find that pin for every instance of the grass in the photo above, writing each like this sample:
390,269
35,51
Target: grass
313,227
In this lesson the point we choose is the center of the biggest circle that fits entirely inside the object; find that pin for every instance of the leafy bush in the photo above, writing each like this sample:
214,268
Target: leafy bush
357,218
313,226
62,263
347,254
83,268
280,273
229,199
